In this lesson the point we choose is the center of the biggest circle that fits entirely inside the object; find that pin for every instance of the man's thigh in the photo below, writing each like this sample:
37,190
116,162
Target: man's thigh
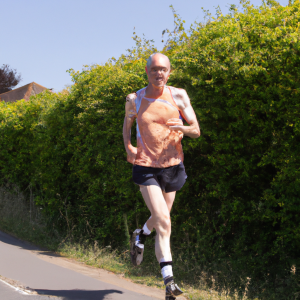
169,198
154,200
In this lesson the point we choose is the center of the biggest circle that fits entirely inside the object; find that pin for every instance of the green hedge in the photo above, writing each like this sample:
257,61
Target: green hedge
243,74
239,209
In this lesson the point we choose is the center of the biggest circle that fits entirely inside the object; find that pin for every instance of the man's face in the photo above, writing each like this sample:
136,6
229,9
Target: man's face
159,71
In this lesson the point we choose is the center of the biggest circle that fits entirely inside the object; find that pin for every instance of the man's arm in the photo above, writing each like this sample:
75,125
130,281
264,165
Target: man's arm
184,104
130,115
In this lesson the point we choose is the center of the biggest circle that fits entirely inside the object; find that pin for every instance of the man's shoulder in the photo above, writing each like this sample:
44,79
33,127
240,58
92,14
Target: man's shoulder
132,96
179,93
130,106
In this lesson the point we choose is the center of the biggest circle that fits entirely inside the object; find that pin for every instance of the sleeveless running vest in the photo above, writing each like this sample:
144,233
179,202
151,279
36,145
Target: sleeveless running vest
157,145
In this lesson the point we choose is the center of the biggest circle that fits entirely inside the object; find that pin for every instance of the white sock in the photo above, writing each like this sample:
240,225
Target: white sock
146,230
167,271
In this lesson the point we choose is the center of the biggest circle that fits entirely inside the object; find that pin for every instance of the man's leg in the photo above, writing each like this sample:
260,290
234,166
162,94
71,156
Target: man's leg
139,236
160,220
169,198
160,205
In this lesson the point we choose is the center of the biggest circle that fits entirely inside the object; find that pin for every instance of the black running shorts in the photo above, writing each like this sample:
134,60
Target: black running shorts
169,179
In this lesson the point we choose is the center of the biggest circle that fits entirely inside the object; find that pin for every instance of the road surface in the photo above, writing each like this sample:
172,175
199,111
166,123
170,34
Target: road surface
47,276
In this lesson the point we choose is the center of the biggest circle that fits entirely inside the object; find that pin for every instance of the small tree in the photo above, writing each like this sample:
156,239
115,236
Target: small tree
8,78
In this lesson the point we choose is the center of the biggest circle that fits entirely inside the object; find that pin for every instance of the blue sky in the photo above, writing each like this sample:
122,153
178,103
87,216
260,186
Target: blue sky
42,38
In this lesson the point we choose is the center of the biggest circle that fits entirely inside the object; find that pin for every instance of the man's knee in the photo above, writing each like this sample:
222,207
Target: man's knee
164,221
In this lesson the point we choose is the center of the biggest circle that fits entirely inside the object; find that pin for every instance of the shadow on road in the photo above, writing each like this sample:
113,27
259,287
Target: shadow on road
9,239
78,294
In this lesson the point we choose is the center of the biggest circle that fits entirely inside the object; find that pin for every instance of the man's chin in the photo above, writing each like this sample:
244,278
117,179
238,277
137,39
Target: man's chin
159,84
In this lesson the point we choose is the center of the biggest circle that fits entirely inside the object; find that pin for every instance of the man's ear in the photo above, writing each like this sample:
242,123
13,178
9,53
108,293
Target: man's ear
146,70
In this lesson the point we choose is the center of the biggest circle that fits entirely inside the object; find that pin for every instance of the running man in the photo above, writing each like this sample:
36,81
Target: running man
157,160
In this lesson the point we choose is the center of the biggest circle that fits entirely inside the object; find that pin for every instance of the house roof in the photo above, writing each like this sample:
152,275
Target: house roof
23,92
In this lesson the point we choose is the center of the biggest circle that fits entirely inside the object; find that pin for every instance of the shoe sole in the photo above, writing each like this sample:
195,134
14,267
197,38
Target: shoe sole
170,298
136,253
174,293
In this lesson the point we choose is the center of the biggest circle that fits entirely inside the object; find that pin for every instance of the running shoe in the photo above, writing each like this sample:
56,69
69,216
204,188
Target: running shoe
172,291
136,248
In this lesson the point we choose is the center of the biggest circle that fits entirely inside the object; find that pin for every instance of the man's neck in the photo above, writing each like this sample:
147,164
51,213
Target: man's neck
153,91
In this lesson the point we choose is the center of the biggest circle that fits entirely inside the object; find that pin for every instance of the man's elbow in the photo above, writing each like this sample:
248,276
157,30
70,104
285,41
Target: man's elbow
196,133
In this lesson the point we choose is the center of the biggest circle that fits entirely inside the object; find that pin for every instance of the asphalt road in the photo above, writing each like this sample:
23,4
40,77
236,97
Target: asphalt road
46,274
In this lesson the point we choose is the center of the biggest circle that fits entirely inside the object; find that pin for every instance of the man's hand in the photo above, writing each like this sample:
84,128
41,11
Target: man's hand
174,122
131,154
176,125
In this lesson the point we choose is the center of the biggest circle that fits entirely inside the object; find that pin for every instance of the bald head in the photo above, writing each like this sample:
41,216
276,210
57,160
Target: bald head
149,61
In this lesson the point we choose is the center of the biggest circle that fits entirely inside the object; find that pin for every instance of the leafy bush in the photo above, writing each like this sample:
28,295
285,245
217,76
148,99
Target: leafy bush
238,214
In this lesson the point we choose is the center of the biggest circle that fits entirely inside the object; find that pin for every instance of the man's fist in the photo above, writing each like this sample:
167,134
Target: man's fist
176,125
174,122
131,154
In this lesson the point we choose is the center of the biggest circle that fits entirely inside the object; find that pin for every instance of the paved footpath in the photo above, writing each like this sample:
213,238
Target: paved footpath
44,273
